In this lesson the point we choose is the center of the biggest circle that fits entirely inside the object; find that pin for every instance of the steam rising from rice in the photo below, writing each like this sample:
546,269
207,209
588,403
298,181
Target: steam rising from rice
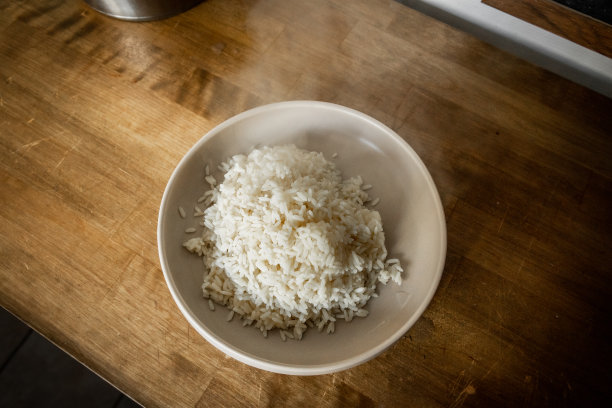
288,244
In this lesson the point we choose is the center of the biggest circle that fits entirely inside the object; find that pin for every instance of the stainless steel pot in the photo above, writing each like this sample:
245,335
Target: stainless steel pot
142,10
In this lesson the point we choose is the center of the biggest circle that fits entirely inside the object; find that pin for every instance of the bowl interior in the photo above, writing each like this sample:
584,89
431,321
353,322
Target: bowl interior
410,208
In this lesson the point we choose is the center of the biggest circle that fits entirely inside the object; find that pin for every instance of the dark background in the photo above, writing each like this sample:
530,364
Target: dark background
35,373
599,9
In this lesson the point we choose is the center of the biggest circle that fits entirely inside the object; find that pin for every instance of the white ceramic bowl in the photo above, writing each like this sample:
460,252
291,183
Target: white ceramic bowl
413,221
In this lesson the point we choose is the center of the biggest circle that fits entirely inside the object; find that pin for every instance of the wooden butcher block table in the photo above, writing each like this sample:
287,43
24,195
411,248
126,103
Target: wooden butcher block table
95,113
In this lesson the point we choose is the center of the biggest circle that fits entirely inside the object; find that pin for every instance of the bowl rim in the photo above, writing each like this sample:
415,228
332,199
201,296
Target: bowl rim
301,369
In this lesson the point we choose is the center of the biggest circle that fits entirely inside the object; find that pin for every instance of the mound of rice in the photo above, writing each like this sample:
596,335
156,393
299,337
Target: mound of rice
288,244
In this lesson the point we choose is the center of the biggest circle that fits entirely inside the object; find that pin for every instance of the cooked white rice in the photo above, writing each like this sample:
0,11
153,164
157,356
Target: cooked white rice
288,244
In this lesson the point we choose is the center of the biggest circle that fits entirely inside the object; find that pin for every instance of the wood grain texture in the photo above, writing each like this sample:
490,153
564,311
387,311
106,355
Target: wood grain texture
95,114
564,21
